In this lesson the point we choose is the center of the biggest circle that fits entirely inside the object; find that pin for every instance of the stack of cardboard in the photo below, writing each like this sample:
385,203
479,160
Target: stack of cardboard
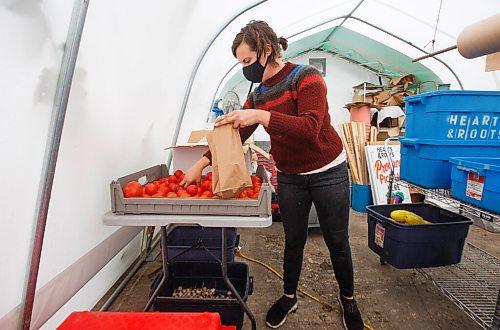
383,95
400,88
365,93
382,99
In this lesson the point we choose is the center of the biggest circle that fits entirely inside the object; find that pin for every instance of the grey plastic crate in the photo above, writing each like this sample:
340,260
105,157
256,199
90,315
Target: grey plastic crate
199,206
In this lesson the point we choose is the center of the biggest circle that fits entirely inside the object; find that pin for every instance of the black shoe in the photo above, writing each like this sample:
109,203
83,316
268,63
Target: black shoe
351,316
276,316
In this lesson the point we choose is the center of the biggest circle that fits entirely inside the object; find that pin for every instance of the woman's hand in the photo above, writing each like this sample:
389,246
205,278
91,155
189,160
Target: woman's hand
244,118
193,174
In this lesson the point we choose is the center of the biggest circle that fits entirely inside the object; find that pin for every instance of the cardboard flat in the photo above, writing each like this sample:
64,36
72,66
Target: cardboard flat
382,96
409,78
198,136
492,62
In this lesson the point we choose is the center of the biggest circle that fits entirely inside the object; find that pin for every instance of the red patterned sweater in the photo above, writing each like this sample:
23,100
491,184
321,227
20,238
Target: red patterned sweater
302,136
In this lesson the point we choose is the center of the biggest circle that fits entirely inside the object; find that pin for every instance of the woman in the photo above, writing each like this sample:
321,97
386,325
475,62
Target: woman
291,104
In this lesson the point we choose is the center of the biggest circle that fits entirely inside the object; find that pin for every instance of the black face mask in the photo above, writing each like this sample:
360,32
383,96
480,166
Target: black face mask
254,71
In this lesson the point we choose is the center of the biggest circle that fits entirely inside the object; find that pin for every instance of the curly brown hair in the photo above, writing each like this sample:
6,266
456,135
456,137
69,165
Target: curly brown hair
258,34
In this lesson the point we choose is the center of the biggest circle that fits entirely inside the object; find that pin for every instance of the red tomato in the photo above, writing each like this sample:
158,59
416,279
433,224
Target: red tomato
206,185
192,190
158,195
126,191
256,180
255,196
208,176
133,189
171,195
173,187
184,195
151,188
178,173
163,190
181,177
145,195
207,194
172,179
249,192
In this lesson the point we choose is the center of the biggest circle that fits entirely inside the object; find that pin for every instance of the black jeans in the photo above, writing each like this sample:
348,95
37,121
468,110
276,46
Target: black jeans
330,193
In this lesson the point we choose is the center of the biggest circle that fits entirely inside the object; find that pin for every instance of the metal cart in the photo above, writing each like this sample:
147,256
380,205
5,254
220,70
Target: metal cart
163,220
473,284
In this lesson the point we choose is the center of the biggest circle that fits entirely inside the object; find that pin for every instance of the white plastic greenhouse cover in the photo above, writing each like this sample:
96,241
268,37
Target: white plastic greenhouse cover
131,77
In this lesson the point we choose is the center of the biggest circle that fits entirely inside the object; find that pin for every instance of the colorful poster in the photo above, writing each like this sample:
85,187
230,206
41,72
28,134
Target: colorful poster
379,172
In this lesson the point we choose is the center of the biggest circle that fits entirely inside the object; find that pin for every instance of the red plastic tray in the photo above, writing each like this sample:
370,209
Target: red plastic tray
142,321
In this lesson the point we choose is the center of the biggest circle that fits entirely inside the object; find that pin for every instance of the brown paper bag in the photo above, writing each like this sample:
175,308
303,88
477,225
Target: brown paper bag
229,171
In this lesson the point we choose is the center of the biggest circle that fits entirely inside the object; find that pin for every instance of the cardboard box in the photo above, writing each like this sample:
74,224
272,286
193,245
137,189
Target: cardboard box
391,119
383,134
198,136
360,98
186,154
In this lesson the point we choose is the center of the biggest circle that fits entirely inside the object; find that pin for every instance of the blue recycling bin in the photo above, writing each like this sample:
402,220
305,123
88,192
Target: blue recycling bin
361,197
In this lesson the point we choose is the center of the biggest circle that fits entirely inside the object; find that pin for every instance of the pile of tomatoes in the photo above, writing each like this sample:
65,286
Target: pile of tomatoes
169,188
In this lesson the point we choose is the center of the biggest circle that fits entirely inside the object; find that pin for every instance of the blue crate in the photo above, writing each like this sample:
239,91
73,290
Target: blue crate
488,192
361,196
182,239
465,116
425,162
403,246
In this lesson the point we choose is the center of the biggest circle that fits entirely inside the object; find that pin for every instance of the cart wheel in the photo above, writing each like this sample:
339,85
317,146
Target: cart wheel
382,261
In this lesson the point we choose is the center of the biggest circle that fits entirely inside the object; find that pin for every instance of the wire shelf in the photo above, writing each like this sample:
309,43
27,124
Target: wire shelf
473,284
487,220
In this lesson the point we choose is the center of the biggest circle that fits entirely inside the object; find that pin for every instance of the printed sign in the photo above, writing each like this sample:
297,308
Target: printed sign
379,235
379,171
475,186
473,126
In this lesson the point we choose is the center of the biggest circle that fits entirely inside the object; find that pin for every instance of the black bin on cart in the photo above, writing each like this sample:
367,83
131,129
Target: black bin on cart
209,274
405,246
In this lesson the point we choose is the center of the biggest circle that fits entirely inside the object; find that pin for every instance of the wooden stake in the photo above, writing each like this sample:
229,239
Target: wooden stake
363,157
344,130
357,149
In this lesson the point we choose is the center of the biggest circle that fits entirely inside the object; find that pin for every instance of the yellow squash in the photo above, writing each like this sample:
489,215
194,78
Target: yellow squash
410,218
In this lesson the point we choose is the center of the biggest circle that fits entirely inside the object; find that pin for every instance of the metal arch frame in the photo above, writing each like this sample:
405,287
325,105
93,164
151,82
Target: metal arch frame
60,105
345,17
65,79
195,71
414,46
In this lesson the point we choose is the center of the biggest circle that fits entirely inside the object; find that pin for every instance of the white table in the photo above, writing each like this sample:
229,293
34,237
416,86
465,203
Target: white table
143,220
163,220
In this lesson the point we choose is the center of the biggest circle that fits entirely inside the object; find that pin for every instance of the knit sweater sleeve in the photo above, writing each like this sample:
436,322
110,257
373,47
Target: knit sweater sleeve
311,110
245,133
